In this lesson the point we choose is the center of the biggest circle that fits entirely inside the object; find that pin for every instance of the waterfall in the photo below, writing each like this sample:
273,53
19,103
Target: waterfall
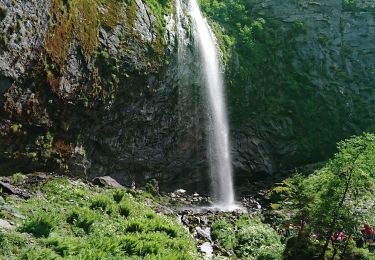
219,146
180,32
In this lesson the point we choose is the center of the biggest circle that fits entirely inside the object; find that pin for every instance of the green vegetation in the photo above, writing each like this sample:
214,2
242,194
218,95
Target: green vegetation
268,84
72,220
16,178
350,4
260,241
81,218
337,197
253,239
223,232
152,187
39,225
83,16
160,8
79,21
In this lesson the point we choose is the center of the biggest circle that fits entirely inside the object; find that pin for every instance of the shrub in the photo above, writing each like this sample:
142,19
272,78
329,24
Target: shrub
124,210
39,254
82,218
118,195
152,187
64,246
301,248
167,229
16,178
260,241
40,225
103,203
10,242
135,226
223,232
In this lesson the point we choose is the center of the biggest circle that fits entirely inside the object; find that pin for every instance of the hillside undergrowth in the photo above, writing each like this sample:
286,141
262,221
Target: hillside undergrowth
72,220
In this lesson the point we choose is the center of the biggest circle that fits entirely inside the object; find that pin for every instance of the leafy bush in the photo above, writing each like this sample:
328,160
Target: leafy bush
301,247
10,242
335,197
169,230
260,241
152,187
124,210
39,254
118,195
16,178
135,226
81,218
103,203
40,225
223,232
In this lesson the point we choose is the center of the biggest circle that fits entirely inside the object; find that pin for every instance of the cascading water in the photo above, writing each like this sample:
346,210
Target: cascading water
219,146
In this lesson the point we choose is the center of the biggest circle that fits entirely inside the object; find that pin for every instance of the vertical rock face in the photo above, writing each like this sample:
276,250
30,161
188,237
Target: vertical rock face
313,86
91,87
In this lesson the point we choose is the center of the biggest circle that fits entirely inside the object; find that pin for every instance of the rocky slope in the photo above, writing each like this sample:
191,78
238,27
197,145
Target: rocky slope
95,87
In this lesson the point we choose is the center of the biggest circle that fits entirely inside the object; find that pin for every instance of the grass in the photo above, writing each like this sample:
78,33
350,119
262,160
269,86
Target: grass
70,219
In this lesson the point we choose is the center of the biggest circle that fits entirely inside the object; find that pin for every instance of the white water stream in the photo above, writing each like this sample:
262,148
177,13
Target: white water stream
219,146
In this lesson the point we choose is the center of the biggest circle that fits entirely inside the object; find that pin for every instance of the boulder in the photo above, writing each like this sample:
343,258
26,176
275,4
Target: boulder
106,181
204,233
207,250
13,190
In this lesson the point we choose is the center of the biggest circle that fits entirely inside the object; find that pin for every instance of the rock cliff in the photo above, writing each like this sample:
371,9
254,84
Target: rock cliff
305,81
94,87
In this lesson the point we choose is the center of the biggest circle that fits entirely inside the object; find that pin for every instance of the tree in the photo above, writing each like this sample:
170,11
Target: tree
344,189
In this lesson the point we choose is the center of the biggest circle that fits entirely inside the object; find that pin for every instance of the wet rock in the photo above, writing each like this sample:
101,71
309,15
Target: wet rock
196,220
204,220
207,249
37,177
185,219
106,181
13,190
204,233
180,192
